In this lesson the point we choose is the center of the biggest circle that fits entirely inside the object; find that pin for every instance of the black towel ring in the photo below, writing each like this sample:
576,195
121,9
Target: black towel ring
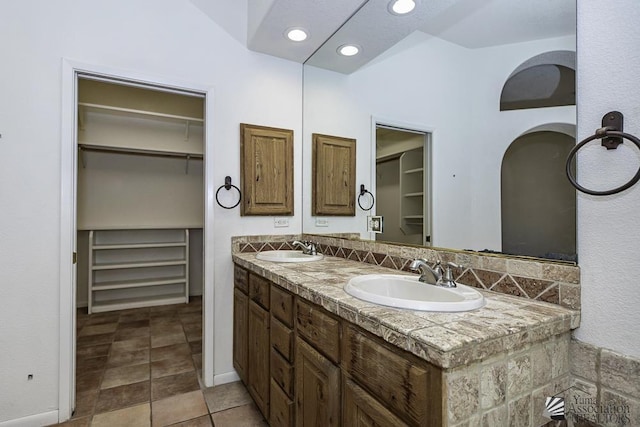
364,191
227,186
613,137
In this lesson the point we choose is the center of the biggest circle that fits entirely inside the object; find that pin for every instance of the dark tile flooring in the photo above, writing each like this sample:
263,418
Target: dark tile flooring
142,367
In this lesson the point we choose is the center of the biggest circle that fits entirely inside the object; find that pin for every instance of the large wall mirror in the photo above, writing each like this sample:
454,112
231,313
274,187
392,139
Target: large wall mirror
463,113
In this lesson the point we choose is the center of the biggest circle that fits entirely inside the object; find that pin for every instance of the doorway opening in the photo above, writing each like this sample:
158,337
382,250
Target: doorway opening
403,184
134,179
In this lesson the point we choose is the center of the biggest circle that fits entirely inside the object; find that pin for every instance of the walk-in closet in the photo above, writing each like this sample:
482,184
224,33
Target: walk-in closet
139,195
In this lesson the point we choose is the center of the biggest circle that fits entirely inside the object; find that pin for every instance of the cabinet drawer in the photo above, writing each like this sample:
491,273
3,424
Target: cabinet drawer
241,278
412,390
282,339
282,373
259,290
319,328
281,408
282,305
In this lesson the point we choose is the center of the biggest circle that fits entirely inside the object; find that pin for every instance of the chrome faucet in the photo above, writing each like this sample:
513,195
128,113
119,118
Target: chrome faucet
308,248
436,275
427,274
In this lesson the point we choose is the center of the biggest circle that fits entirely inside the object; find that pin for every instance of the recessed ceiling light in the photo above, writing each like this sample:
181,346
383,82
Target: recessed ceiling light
296,34
401,7
348,50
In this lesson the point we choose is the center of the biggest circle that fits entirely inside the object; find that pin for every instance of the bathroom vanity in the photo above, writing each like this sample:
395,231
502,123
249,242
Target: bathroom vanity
310,354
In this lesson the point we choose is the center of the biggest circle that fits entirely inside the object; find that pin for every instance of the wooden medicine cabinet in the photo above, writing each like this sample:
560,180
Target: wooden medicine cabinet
334,175
266,159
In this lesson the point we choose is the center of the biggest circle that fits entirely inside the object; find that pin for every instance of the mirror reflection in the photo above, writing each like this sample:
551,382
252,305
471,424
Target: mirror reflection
462,126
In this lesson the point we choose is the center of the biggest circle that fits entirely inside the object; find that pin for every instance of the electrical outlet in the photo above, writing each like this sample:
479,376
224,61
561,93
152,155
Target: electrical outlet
280,222
322,222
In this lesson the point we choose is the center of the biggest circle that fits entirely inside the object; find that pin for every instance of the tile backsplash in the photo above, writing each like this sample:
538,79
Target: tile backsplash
535,279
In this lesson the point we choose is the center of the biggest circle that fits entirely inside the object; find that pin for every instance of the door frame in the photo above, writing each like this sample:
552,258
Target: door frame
68,226
429,136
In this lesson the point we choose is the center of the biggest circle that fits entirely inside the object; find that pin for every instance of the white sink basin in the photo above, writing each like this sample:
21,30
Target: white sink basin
287,256
407,292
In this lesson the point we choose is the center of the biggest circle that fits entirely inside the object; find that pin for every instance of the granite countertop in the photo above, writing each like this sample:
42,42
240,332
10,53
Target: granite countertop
444,339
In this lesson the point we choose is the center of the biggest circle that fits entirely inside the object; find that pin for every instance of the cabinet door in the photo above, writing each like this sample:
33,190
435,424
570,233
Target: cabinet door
317,388
258,357
266,156
360,409
240,338
333,175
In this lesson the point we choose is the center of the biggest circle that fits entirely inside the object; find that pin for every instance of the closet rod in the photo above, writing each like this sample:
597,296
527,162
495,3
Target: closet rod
141,112
138,151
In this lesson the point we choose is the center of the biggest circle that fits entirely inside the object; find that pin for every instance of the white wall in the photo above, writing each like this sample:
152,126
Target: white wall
431,83
608,228
155,37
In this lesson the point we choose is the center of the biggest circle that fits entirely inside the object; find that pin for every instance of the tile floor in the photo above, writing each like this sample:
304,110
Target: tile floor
142,367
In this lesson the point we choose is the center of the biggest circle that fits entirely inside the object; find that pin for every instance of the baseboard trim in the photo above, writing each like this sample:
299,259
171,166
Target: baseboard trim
227,377
43,419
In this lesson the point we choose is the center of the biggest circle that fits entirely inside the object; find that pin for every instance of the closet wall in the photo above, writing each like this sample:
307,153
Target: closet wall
140,185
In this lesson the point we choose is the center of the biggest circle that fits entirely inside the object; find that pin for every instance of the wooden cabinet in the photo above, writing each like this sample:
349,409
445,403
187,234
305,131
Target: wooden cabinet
306,367
137,268
317,388
333,175
266,156
360,409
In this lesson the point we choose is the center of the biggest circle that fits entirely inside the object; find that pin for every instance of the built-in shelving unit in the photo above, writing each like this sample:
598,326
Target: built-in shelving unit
133,268
412,191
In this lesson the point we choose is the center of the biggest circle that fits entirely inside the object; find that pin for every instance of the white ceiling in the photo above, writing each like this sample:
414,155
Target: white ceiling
469,23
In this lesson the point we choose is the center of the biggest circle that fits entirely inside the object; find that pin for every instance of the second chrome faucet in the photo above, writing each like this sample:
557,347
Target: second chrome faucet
308,248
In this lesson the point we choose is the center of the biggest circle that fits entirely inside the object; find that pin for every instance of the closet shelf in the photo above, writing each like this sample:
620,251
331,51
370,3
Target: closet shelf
143,264
139,283
101,107
140,245
125,303
416,170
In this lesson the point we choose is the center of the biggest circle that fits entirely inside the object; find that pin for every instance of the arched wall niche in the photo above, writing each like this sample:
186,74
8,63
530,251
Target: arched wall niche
545,80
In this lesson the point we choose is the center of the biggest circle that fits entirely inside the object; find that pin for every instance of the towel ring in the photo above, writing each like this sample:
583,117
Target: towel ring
364,191
604,132
227,186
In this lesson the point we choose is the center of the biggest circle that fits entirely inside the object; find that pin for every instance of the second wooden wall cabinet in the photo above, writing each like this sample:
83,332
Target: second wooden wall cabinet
266,163
333,175
322,370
